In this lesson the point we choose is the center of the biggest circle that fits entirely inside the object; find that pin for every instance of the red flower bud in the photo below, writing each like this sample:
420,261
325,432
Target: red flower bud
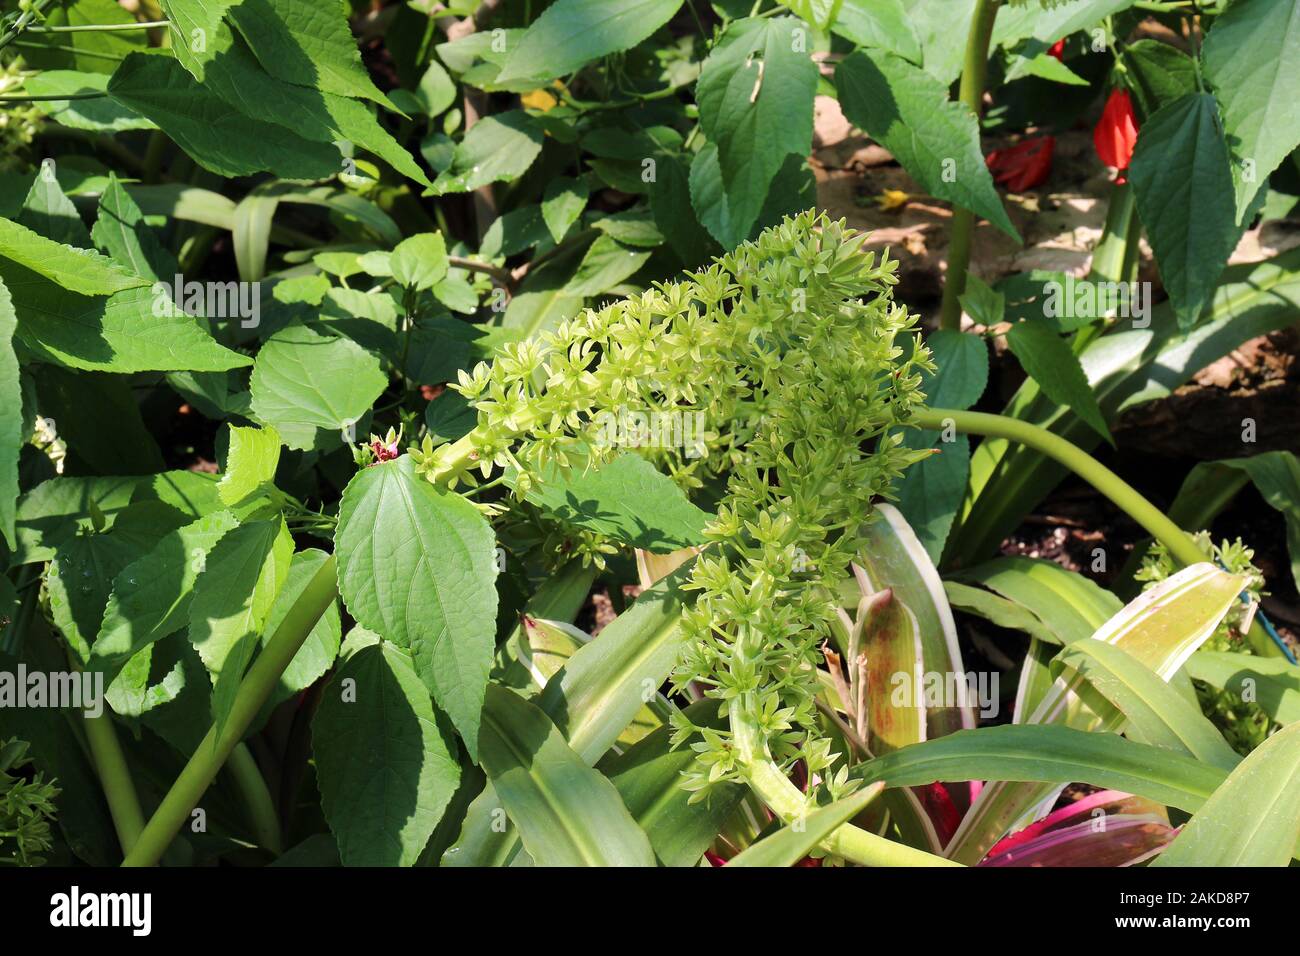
1024,165
1057,49
1116,132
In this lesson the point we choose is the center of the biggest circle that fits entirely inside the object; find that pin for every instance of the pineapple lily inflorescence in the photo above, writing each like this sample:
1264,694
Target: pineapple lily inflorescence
805,370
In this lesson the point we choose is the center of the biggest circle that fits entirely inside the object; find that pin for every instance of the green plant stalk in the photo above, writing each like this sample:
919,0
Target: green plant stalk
1120,492
971,93
1111,252
115,779
100,27
253,692
257,799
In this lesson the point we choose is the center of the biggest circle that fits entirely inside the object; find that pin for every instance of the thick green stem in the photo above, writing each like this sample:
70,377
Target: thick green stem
1109,256
257,799
1120,492
784,799
115,779
971,94
216,747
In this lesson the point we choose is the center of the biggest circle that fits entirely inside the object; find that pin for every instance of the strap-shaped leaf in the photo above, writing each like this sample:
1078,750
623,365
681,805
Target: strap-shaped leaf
418,566
1253,818
648,776
1157,714
791,844
1272,683
1049,755
567,813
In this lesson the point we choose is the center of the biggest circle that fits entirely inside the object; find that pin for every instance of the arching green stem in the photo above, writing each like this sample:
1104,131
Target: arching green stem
1119,491
216,748
1178,542
257,798
115,779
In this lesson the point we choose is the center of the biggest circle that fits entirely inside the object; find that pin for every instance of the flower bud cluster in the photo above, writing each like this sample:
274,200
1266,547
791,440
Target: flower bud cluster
805,369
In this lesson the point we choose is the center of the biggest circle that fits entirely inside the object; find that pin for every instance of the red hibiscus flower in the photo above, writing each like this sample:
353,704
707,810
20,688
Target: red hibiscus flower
1024,165
1116,132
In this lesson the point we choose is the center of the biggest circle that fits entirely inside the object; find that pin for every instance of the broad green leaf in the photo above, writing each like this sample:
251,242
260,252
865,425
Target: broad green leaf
11,418
250,463
133,331
606,264
98,416
892,557
307,44
1273,683
59,509
632,227
755,95
986,305
450,416
1253,818
571,33
1209,486
562,204
152,595
1252,60
79,270
648,776
931,491
217,135
1159,73
791,844
420,262
567,813
1049,361
226,65
1156,713
191,494
417,565
792,190
83,568
92,51
304,380
233,595
47,210
1049,755
436,90
121,232
386,768
879,23
936,140
98,115
1181,163
498,148
670,201
627,499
